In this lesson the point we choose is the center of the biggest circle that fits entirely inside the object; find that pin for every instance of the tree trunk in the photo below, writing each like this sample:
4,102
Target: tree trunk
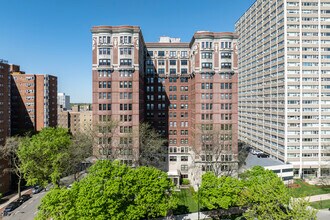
19,187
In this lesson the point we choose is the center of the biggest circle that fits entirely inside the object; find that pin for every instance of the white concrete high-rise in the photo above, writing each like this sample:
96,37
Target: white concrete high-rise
63,101
284,81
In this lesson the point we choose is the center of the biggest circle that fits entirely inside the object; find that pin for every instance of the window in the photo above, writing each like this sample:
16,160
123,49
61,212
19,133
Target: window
184,158
161,71
225,85
125,129
226,55
104,51
206,55
225,44
104,107
184,62
226,65
183,79
172,62
124,107
161,53
184,70
125,39
172,53
104,84
125,84
161,62
207,65
184,54
206,45
172,79
126,51
104,39
172,71
125,73
125,118
125,62
184,88
104,95
184,167
104,73
172,88
226,106
126,95
207,85
172,158
104,62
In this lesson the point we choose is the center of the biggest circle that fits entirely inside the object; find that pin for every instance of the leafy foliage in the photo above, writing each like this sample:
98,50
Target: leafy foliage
112,191
260,191
265,194
44,156
220,192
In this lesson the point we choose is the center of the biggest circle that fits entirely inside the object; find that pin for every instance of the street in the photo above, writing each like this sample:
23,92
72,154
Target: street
28,210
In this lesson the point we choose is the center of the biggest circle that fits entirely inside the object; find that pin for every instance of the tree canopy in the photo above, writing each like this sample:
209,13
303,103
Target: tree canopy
44,156
259,191
112,191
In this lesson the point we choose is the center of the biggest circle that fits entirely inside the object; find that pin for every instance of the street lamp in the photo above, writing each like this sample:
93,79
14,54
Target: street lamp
198,199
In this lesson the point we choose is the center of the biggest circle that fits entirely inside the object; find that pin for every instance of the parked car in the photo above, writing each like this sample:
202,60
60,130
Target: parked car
256,152
262,155
37,189
23,198
10,207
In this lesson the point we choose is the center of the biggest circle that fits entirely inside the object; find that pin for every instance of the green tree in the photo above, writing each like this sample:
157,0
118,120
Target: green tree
9,153
44,157
220,192
111,191
267,197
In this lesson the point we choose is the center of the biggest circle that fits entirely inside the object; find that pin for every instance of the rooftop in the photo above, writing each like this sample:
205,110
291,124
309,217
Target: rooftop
253,160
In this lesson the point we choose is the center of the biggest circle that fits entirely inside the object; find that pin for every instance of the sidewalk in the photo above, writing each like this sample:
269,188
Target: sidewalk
13,197
320,197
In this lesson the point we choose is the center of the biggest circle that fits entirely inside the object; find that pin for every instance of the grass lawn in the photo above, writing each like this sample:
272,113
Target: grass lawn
187,204
325,204
309,190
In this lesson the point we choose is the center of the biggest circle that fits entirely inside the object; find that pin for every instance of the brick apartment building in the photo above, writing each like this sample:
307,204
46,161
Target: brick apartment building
33,101
79,119
4,120
187,91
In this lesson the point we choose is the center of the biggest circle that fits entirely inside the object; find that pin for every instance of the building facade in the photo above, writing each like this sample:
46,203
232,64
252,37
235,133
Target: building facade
4,121
33,101
284,70
76,120
186,91
63,101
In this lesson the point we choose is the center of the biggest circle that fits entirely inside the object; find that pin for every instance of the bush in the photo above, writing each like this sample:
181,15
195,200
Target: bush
185,182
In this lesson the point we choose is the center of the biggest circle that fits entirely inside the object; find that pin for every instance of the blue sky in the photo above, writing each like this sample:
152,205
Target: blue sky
53,36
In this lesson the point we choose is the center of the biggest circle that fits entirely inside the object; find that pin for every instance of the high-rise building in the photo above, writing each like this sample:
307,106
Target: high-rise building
284,87
33,101
187,91
63,101
4,121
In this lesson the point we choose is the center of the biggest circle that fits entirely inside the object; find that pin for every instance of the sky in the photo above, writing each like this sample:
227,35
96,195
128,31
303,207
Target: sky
53,36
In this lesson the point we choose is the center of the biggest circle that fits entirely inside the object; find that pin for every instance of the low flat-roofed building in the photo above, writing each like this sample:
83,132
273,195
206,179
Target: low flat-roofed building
283,170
